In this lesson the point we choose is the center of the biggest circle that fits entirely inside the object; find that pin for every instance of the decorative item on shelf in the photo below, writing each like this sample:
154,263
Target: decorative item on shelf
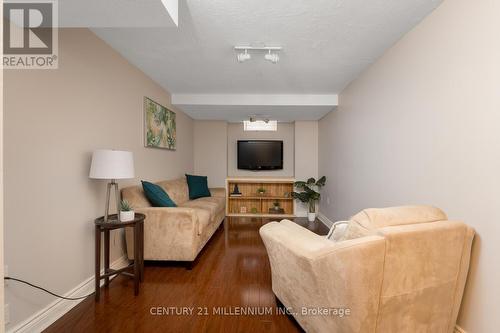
112,165
261,191
236,191
276,209
160,127
309,195
254,210
243,210
126,212
286,194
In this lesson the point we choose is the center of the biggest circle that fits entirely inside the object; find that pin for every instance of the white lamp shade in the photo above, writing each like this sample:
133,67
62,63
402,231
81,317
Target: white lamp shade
112,164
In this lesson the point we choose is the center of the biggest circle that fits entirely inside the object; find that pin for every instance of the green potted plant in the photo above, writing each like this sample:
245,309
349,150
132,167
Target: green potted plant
276,209
126,212
261,191
309,194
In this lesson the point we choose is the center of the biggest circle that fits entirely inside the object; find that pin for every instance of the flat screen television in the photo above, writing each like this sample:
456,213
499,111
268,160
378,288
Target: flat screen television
260,155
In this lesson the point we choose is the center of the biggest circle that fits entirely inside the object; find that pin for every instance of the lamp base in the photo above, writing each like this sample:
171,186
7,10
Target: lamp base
114,184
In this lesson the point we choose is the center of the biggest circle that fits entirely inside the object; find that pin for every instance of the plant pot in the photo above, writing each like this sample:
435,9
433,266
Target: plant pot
127,216
311,217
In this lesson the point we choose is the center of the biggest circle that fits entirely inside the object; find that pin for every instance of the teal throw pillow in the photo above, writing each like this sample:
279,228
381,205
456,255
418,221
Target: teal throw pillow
198,186
157,195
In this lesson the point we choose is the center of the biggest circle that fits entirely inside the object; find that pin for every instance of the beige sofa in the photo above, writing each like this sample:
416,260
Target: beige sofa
177,233
407,275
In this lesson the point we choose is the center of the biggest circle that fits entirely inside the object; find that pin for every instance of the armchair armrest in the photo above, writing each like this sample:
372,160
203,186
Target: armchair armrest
309,271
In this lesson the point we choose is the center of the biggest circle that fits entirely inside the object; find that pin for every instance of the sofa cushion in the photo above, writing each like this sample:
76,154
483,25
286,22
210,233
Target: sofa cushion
212,204
198,186
177,189
135,196
157,195
391,216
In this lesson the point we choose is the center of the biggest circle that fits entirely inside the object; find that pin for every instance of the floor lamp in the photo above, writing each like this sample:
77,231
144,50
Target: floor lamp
112,165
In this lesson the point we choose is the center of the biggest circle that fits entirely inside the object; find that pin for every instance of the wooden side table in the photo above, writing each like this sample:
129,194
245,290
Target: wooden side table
137,265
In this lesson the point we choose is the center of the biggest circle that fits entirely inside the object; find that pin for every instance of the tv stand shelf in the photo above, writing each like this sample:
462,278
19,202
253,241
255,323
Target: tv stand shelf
250,203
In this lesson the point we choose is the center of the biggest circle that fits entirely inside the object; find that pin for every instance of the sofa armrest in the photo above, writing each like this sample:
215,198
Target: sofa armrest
179,220
218,192
169,232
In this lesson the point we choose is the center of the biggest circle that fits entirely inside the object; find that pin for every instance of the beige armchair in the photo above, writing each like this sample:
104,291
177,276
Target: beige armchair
407,274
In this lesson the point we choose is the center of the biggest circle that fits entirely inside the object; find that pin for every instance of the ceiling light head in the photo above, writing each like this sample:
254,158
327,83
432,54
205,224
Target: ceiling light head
243,56
272,57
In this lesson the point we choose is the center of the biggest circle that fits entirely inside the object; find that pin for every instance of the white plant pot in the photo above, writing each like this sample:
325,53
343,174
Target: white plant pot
127,216
311,217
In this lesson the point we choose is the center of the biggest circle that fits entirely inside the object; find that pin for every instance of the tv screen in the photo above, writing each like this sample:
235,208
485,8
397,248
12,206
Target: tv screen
260,155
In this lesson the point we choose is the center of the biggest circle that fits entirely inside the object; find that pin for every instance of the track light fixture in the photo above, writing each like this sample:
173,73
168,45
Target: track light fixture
258,118
260,123
271,56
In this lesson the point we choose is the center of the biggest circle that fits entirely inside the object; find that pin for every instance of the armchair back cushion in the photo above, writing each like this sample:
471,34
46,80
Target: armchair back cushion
391,216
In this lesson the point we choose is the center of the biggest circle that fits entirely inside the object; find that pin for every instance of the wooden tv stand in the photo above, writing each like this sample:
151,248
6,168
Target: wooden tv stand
251,203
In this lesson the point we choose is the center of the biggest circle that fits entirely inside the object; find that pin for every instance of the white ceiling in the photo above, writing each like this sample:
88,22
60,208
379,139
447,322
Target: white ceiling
118,13
326,44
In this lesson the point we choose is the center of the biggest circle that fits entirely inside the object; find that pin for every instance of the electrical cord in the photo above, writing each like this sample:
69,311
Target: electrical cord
47,291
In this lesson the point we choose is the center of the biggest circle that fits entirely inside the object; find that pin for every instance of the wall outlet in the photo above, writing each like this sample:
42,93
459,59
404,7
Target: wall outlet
6,310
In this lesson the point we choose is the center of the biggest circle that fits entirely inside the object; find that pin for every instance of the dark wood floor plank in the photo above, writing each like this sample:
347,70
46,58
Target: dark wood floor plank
232,271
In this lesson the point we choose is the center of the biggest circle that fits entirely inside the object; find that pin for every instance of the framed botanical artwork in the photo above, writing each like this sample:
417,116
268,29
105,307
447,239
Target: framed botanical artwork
159,126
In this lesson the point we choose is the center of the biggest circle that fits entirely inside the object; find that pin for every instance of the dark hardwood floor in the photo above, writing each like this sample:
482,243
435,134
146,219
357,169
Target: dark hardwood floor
231,273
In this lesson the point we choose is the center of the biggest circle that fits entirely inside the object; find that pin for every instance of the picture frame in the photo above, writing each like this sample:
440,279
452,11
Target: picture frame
160,128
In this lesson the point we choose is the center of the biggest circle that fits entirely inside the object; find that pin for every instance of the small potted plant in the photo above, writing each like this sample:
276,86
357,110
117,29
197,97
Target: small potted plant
309,194
126,212
261,191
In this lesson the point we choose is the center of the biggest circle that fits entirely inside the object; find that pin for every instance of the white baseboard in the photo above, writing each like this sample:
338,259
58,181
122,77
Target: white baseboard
326,221
459,329
55,310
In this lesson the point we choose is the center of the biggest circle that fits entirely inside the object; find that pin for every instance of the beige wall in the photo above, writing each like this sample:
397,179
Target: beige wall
210,151
306,156
54,119
422,126
285,132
